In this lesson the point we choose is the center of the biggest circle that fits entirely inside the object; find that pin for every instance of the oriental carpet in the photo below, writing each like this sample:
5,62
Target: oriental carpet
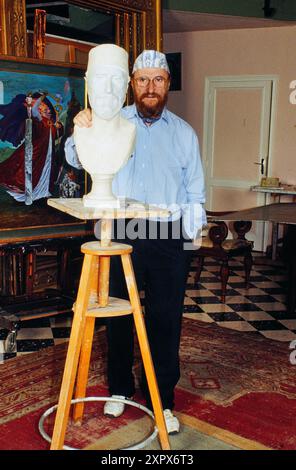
237,387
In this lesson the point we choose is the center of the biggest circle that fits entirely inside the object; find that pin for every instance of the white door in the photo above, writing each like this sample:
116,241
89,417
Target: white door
236,148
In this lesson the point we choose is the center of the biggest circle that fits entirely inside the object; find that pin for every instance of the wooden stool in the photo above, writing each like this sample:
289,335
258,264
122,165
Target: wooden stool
92,302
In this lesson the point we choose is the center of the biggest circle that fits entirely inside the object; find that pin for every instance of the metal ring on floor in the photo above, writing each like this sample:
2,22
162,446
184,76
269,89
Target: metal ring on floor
140,445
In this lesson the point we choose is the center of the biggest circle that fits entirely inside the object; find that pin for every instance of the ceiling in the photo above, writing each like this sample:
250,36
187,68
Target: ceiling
64,19
180,21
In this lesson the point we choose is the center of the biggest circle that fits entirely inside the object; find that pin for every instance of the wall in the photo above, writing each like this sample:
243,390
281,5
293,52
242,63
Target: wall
269,51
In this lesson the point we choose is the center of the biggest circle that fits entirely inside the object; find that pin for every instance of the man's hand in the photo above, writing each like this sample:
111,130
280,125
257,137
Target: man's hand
83,118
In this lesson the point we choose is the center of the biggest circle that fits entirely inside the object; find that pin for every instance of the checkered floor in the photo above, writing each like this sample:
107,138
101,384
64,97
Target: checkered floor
260,309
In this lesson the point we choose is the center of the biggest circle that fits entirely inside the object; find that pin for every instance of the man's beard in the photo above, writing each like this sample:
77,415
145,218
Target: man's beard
150,111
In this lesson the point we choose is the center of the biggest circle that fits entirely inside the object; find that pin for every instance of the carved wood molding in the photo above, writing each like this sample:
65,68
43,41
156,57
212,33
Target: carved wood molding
136,20
39,34
13,31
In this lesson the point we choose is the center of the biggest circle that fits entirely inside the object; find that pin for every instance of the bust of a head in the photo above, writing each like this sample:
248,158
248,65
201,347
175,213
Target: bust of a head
105,146
107,79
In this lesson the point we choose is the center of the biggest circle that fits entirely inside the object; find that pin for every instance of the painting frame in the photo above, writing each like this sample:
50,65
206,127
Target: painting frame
175,65
17,216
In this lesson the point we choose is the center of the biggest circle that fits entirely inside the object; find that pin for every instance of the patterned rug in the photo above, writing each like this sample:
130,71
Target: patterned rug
233,383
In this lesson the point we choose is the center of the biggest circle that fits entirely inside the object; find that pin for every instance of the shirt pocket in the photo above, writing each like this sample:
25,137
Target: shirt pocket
175,172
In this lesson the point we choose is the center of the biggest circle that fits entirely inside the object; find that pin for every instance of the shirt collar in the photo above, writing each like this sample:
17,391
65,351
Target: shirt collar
134,113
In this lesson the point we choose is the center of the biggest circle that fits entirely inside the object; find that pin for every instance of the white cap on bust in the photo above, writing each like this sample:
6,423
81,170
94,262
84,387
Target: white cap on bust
151,59
108,54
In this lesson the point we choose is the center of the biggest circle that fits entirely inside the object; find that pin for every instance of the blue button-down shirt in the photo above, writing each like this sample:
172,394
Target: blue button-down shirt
165,168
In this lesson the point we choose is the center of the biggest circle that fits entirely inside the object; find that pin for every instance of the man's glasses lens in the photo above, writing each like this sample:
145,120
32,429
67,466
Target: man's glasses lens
144,82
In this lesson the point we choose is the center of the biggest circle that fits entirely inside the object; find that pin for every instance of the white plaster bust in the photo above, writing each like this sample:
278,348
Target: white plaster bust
107,145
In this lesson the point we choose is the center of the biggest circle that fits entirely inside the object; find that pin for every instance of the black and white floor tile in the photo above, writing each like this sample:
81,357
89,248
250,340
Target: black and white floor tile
259,309
37,334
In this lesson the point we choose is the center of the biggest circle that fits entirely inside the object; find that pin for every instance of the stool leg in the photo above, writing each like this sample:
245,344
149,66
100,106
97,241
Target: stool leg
103,297
104,271
145,351
71,364
86,346
83,368
94,281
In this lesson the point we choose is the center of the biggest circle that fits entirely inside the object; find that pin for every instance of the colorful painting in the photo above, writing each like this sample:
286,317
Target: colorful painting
37,107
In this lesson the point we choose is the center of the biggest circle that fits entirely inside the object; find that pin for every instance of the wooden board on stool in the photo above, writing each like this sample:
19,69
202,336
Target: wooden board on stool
128,210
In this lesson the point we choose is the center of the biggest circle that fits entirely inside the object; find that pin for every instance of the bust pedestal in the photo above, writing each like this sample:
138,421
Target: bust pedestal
101,194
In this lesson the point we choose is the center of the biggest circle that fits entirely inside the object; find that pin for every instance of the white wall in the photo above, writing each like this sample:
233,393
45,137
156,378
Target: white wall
269,51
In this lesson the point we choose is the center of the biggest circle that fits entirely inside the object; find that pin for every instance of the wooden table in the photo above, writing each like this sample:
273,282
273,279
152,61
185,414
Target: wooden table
276,193
279,213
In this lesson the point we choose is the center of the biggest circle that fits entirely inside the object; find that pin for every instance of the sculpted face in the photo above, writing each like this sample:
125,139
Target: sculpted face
107,87
150,88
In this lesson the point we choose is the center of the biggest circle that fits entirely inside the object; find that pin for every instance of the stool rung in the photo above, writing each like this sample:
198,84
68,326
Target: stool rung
115,307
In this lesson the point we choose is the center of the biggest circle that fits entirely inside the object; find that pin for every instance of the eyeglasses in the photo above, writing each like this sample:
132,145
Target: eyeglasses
144,82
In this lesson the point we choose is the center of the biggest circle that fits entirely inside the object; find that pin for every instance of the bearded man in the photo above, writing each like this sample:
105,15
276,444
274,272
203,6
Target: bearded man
165,170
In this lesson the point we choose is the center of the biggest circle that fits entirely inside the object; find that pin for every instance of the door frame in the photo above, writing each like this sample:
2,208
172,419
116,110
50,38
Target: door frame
244,79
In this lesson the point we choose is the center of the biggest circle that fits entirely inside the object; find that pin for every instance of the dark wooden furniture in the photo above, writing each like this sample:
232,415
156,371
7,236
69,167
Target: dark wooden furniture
280,213
38,278
215,244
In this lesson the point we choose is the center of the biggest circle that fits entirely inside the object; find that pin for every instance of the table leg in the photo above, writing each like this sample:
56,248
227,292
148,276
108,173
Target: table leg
291,258
274,240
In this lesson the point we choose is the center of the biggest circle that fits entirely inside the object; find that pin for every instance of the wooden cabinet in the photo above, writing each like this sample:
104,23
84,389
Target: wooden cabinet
37,279
31,269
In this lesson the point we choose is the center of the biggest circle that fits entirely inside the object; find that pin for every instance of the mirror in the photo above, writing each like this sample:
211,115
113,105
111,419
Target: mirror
73,22
70,30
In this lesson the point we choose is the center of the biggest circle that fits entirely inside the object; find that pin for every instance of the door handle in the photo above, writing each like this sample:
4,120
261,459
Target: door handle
261,164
